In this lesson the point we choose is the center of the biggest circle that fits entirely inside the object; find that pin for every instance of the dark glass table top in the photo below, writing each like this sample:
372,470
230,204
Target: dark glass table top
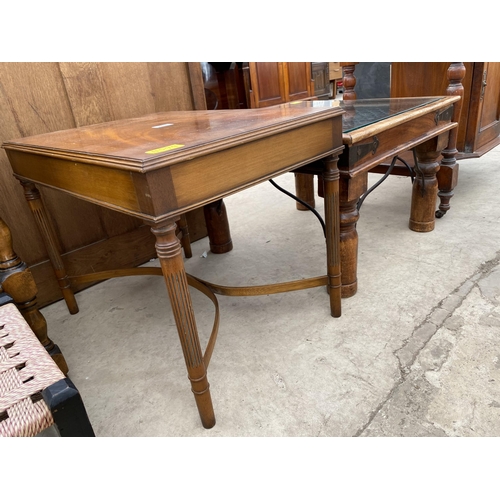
363,112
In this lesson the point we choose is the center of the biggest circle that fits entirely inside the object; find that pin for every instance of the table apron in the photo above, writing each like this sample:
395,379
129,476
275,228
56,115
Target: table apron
170,191
362,157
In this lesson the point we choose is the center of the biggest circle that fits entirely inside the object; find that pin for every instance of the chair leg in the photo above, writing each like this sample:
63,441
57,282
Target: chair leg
17,281
68,410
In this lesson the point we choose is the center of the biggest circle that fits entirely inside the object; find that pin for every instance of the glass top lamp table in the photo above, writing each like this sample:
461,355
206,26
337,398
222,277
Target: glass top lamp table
159,167
377,130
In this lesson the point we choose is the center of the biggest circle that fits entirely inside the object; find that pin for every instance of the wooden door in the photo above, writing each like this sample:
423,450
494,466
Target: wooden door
484,129
43,97
274,83
298,80
267,84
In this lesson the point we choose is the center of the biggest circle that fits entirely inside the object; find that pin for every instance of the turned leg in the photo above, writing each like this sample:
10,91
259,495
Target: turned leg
447,175
349,81
51,243
68,410
447,181
17,281
169,253
304,189
351,189
425,185
349,216
217,223
332,223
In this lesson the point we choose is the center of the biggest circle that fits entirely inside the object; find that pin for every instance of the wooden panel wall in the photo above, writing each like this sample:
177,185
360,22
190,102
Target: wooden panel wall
43,97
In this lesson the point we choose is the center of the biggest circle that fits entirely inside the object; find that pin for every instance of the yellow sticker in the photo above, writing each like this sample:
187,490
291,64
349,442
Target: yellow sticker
165,148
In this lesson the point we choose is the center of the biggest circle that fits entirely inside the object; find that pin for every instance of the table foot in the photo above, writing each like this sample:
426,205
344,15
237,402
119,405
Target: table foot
441,213
447,177
421,227
348,290
201,390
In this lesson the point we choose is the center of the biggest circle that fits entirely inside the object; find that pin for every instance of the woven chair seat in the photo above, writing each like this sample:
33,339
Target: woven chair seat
25,370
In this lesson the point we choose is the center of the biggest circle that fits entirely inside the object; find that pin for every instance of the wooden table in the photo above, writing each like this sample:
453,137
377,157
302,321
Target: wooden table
377,130
160,166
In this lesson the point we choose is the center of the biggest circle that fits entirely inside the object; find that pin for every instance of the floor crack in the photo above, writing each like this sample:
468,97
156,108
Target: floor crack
411,352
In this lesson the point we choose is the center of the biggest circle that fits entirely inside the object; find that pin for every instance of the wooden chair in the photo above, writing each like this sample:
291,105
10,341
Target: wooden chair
18,285
34,394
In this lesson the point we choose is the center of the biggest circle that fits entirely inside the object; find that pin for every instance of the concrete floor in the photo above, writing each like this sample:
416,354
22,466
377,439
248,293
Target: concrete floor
415,353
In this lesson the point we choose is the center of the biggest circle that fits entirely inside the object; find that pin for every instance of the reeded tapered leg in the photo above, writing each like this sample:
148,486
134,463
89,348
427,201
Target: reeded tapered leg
425,186
332,222
17,281
169,253
51,243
